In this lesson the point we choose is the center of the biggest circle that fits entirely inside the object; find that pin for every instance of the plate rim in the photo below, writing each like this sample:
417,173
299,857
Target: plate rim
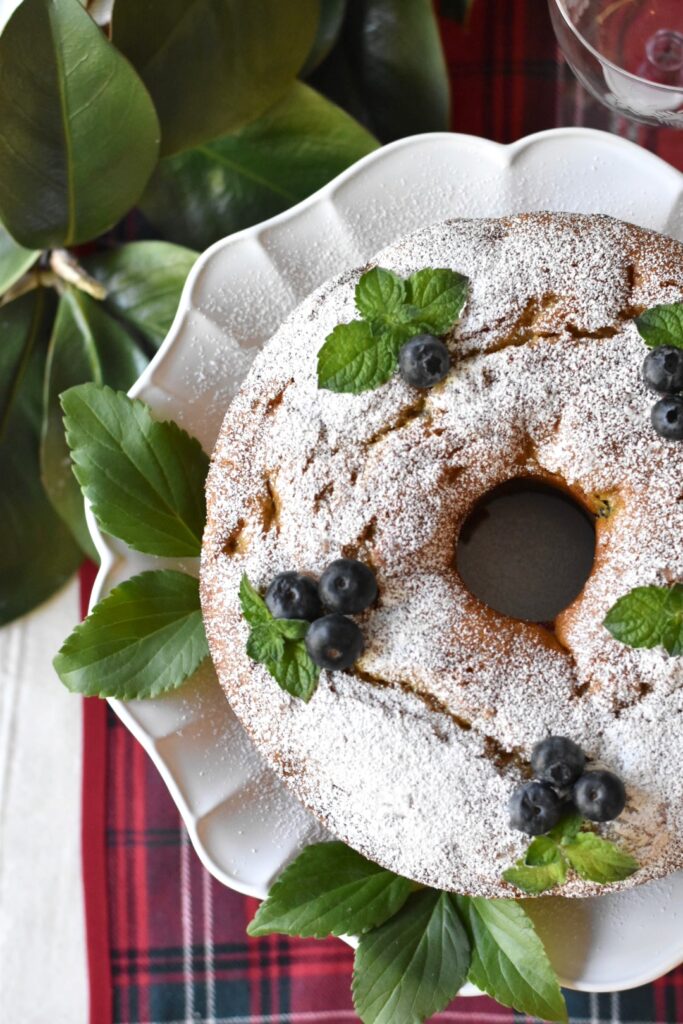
506,154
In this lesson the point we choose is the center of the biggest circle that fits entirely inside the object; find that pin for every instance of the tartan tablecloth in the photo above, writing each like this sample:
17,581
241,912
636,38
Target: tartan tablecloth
167,943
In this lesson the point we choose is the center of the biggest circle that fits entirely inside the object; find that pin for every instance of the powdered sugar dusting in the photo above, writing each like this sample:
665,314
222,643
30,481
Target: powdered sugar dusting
411,757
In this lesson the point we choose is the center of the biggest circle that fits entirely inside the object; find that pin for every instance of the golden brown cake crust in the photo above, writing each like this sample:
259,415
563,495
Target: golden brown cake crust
411,756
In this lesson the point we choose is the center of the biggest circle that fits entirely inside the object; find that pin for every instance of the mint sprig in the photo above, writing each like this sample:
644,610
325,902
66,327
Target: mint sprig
143,640
548,859
662,325
362,355
649,616
416,948
278,644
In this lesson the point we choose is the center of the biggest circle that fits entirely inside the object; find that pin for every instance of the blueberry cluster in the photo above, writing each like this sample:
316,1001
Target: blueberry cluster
562,786
347,587
423,361
663,372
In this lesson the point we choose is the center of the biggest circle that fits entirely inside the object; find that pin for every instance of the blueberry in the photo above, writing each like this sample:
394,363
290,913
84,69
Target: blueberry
558,760
667,418
334,641
600,796
348,586
292,595
424,361
534,808
663,369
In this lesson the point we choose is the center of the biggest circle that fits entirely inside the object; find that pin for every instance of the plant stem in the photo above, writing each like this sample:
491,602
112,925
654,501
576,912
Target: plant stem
66,267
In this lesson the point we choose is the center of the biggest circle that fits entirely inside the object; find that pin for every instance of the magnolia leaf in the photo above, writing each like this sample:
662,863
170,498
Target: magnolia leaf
79,133
144,478
388,68
38,552
144,281
330,890
143,640
412,966
14,260
212,66
86,345
238,180
508,959
330,24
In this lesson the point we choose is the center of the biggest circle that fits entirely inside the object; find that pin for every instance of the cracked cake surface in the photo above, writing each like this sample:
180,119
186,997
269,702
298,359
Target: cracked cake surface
411,756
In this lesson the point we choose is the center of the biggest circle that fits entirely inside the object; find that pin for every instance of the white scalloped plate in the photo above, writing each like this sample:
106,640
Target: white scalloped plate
243,823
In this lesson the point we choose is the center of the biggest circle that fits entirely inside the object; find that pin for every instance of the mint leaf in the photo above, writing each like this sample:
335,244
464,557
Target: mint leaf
379,293
648,616
330,890
142,640
564,831
292,629
596,860
253,606
353,359
265,643
412,966
662,325
537,878
672,627
278,644
145,479
541,869
508,959
439,296
295,672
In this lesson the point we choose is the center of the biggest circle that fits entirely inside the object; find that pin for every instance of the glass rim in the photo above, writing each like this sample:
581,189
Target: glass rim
560,5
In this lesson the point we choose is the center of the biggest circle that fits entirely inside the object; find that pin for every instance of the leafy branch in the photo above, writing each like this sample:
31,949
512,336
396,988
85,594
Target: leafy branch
105,114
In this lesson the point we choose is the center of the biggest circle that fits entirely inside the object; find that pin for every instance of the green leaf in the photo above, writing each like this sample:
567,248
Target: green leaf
14,260
266,643
330,890
278,644
144,479
253,606
352,359
508,959
79,132
539,878
439,295
212,66
292,629
541,869
330,24
388,68
295,672
144,281
597,860
662,325
414,965
143,640
86,345
237,180
648,616
566,830
38,553
380,294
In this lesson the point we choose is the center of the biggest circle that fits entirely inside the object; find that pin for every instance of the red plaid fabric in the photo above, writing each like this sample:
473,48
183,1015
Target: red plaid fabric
167,943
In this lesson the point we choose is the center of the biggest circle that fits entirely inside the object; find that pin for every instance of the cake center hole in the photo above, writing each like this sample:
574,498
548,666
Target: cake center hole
526,550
